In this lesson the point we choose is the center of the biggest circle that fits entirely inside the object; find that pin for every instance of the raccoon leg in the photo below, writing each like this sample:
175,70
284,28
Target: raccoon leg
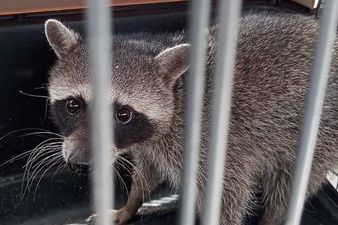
124,214
277,191
275,197
238,193
143,184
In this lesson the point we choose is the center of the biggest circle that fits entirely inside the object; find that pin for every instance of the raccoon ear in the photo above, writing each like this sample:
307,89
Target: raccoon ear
60,38
173,62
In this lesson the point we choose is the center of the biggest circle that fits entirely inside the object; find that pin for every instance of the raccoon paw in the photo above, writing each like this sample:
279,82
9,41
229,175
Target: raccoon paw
119,217
91,219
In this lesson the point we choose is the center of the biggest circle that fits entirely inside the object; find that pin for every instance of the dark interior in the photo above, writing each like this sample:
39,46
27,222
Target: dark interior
62,196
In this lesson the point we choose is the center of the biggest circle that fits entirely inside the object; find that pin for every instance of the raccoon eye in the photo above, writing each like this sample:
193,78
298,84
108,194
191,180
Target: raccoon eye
123,115
73,106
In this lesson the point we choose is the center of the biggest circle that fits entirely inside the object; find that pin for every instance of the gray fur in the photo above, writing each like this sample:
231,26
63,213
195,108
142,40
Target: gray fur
274,58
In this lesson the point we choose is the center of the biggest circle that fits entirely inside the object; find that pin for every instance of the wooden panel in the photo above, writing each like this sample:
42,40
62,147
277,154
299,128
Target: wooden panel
12,7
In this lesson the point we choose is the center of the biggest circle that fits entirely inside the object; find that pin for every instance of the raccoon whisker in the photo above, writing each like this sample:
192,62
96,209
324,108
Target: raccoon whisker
132,165
124,167
126,161
119,165
33,95
35,154
45,142
25,180
30,163
146,181
137,173
44,133
46,112
30,178
38,169
45,158
41,87
140,175
42,151
51,159
62,164
121,179
40,148
58,159
37,185
22,130
49,144
17,157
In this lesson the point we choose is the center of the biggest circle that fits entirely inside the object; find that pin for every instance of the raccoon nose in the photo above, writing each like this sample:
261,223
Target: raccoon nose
71,158
78,157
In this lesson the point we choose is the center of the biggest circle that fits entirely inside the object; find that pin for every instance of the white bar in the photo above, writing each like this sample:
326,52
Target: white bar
314,104
199,21
99,37
228,18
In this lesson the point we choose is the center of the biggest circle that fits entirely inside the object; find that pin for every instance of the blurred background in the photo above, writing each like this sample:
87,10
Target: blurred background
60,196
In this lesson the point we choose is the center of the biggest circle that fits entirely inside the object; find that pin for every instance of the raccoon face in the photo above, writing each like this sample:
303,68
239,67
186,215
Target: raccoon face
141,97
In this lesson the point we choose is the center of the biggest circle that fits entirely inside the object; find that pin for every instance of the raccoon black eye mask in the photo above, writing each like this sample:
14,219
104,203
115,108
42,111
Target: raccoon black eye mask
130,126
275,55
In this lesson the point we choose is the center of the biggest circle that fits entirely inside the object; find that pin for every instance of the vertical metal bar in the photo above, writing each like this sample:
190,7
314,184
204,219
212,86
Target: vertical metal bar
313,108
199,22
229,16
99,37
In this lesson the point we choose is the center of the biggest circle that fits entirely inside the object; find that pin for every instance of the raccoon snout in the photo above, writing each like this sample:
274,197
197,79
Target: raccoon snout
78,156
81,170
74,153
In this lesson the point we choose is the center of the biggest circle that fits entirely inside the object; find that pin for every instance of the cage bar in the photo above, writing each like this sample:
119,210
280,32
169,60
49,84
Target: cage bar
228,19
199,21
99,39
313,108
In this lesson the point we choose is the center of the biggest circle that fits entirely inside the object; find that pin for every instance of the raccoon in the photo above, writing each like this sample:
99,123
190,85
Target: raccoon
274,58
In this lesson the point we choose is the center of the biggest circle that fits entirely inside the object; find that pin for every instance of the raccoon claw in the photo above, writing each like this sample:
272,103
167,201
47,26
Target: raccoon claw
90,219
120,217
